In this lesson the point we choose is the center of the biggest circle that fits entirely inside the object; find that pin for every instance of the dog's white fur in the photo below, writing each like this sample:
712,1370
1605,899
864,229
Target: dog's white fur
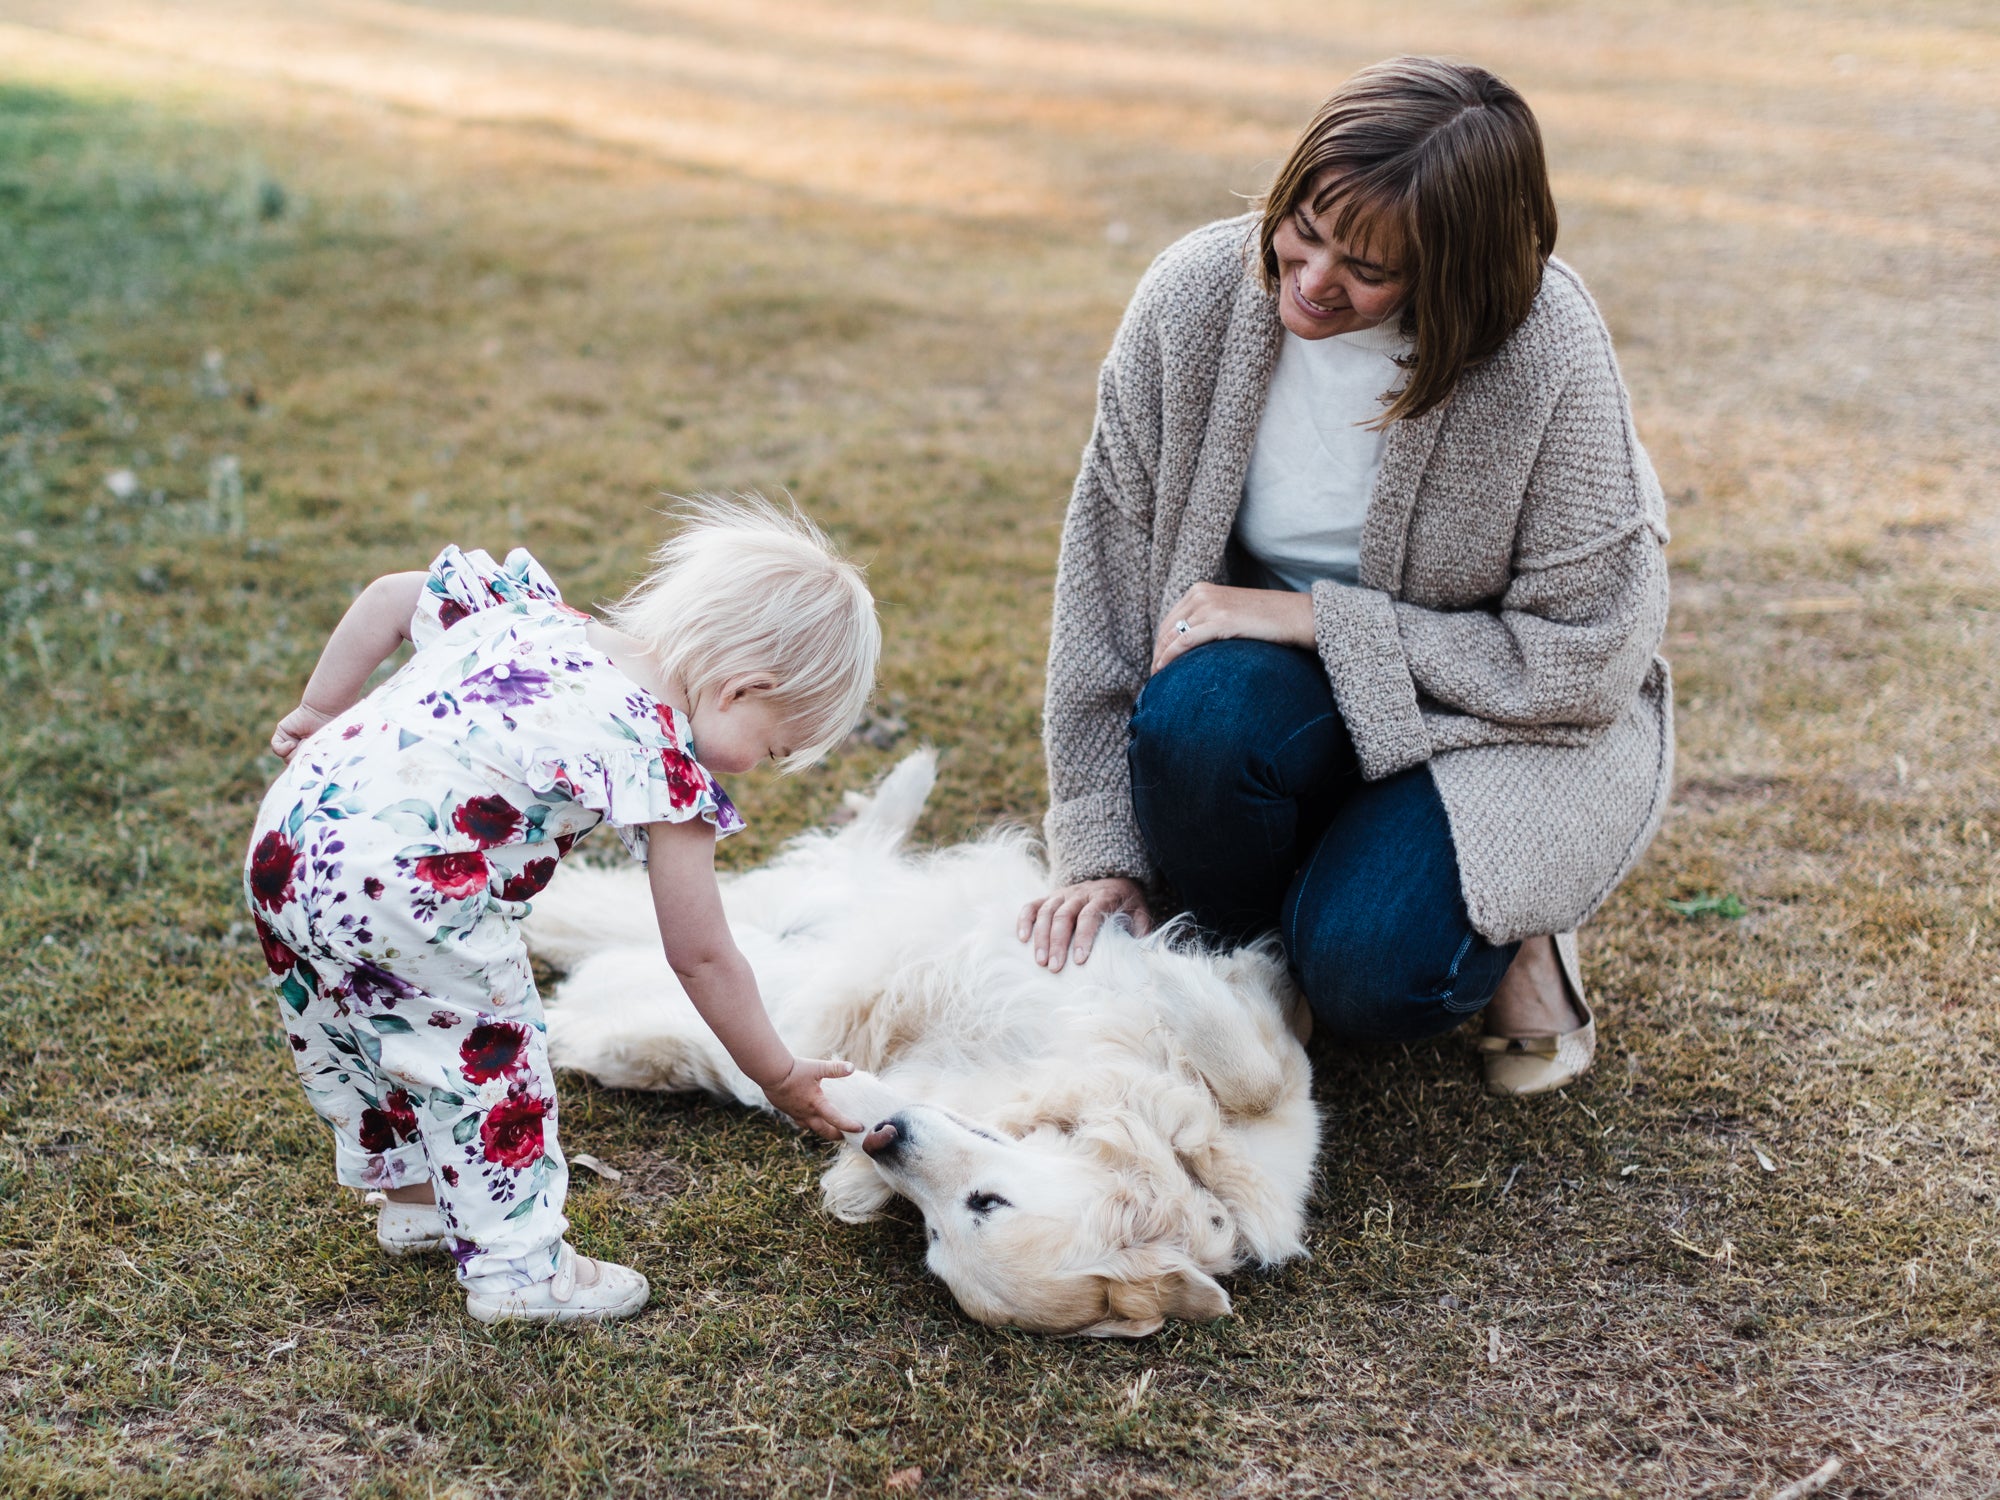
1090,1149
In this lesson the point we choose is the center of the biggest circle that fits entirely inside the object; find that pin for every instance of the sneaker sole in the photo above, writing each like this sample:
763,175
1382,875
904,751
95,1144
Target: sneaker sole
481,1311
405,1250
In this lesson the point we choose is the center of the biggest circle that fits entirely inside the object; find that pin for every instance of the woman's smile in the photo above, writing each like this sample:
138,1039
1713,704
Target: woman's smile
1312,309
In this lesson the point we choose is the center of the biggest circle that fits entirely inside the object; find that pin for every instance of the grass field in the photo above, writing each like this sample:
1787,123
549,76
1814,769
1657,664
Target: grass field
292,294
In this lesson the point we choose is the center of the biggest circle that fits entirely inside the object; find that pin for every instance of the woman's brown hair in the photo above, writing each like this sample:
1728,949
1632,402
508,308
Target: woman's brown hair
1443,162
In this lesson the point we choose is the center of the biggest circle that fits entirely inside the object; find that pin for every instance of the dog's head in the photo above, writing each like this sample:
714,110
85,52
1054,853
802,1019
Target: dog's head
1064,1231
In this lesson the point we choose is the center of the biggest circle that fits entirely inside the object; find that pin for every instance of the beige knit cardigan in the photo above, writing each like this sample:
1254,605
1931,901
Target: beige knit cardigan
1512,593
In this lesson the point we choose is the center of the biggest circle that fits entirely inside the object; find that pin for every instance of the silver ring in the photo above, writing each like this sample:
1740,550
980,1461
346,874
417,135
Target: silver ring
1180,627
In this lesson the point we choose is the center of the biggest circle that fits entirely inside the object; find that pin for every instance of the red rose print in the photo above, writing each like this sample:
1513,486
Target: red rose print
277,957
512,1131
685,783
666,717
486,820
395,1120
450,1175
453,875
493,1048
271,866
377,1134
451,612
529,882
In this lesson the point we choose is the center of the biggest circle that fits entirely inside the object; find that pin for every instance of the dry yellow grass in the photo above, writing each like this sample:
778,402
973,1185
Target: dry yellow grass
533,264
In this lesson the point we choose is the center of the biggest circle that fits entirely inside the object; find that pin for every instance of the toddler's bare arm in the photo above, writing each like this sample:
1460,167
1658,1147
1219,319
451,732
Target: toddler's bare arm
374,626
680,866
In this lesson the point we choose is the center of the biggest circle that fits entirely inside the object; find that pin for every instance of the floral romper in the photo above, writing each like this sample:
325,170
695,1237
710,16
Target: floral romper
388,873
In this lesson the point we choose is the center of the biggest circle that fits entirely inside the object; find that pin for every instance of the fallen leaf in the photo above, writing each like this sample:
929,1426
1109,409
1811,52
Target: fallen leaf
590,1163
1813,1483
1708,904
904,1481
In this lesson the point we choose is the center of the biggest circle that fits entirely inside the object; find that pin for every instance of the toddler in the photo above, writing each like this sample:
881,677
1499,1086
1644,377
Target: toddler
396,855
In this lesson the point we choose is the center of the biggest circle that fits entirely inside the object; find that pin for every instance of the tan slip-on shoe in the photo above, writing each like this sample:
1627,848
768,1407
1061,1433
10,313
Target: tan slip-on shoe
1537,1064
582,1291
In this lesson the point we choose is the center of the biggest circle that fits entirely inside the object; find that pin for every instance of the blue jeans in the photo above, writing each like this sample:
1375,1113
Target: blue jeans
1252,805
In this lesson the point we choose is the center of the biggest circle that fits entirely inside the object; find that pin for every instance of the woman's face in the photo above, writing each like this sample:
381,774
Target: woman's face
1328,286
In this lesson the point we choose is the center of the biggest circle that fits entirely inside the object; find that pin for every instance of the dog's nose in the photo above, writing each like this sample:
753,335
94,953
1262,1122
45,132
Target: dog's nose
883,1139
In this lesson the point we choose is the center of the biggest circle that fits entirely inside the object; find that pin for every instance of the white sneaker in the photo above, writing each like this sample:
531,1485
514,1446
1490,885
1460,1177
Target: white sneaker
582,1291
407,1228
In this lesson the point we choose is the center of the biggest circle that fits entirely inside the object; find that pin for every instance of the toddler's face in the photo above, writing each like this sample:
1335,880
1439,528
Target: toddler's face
735,727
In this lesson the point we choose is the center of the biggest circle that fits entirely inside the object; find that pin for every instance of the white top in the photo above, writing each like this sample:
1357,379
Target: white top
1314,464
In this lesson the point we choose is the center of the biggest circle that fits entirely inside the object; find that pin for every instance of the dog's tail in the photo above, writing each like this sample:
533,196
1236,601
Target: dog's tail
884,817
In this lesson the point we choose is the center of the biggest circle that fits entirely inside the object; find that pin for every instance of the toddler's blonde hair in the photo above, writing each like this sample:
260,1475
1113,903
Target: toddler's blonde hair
747,588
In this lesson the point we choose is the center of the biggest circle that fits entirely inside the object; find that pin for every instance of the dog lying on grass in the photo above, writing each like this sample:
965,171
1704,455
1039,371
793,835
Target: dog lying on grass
1090,1149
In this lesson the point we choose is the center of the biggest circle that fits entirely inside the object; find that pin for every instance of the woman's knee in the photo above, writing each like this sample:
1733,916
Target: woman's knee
1225,703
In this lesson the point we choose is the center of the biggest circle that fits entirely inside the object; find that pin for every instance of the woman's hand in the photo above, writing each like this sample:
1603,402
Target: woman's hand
298,726
1064,923
1216,612
798,1095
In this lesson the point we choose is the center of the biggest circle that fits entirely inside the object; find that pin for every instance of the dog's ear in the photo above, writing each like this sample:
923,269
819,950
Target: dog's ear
1141,1306
852,1190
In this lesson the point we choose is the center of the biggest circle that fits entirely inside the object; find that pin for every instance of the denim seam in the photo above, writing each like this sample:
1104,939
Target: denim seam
1299,884
1296,733
1444,997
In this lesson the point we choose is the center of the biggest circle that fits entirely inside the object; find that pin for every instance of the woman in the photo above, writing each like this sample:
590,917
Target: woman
1360,590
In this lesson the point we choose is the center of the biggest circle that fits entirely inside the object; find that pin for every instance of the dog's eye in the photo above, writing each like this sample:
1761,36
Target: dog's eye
985,1203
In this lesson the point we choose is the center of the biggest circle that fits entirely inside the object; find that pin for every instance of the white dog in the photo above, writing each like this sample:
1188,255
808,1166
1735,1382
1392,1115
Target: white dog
1090,1149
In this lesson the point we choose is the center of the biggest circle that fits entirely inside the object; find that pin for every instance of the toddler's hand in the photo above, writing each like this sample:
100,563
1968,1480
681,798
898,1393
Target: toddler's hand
295,729
798,1095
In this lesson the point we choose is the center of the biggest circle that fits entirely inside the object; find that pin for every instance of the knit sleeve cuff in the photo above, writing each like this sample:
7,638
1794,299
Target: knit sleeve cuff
1362,650
1094,838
